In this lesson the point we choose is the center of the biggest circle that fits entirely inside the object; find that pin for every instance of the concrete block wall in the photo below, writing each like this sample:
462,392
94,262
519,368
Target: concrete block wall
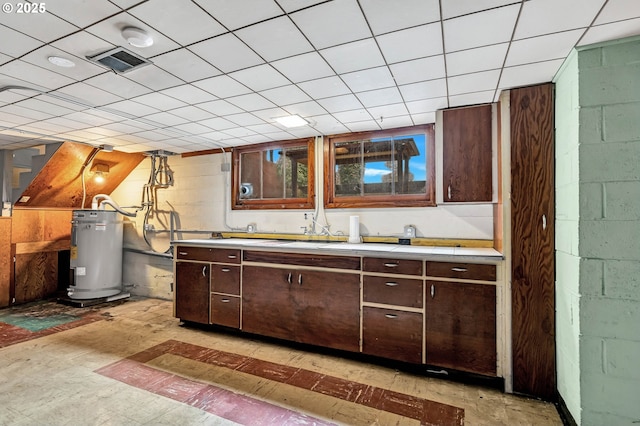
608,233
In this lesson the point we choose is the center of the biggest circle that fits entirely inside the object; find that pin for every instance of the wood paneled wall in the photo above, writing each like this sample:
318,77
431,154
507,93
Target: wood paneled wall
532,241
5,261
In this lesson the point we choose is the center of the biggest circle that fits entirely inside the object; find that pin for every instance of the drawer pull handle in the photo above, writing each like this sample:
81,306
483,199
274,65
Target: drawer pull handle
445,372
459,269
289,278
225,270
433,291
204,271
390,284
390,316
225,300
183,253
300,279
391,265
231,256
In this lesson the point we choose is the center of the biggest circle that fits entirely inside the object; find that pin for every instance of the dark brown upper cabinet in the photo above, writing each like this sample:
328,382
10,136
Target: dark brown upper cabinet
466,152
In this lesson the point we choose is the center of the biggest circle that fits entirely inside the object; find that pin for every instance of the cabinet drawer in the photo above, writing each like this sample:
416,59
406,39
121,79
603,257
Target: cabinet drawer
225,310
392,266
225,279
208,254
303,259
472,271
393,291
392,334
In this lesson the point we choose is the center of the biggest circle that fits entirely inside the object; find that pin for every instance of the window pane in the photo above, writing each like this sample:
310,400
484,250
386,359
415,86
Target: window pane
378,166
297,176
411,161
348,168
273,169
250,175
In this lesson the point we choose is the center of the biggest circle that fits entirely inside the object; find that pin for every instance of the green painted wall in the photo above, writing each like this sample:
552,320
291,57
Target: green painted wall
607,261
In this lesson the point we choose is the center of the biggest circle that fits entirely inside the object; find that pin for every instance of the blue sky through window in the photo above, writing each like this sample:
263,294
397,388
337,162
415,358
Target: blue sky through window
374,171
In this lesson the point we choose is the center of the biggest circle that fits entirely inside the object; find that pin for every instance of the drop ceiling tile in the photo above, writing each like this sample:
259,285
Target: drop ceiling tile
354,56
303,132
191,113
618,10
81,14
344,18
227,53
373,98
166,119
4,58
251,102
324,87
46,107
117,85
305,109
87,119
395,122
219,107
122,127
154,78
275,39
188,94
259,78
363,126
293,5
186,65
477,82
217,123
264,128
270,114
184,22
611,31
340,103
256,139
385,16
374,78
11,96
82,44
37,76
104,114
65,122
474,60
155,136
222,86
136,147
279,136
412,43
418,70
30,114
426,105
543,48
454,8
285,95
83,69
192,128
386,111
327,124
111,31
45,27
536,20
89,95
233,17
20,43
352,116
245,119
239,132
489,27
424,90
525,75
474,98
305,67
133,108
102,131
159,101
59,99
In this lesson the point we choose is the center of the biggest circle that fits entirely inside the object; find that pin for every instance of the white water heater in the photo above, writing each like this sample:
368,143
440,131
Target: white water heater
96,254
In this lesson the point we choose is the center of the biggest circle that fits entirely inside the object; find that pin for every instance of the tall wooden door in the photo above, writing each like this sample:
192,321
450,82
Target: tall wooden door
532,241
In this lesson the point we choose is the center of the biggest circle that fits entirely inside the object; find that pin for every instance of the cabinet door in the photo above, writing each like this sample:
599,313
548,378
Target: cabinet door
268,307
328,309
225,279
392,334
192,291
461,326
466,153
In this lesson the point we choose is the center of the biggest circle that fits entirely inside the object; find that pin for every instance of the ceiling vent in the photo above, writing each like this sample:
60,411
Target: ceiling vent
119,60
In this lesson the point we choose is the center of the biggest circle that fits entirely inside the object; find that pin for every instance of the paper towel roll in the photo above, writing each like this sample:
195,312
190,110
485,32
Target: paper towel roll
354,229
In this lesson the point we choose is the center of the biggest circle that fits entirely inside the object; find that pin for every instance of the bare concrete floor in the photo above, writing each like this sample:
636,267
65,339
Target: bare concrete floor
132,364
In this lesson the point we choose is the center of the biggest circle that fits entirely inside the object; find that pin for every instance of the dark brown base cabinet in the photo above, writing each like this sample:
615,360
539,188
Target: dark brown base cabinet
439,313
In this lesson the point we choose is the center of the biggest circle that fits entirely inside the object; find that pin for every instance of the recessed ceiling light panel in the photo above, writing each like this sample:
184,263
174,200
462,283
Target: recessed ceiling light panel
292,121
